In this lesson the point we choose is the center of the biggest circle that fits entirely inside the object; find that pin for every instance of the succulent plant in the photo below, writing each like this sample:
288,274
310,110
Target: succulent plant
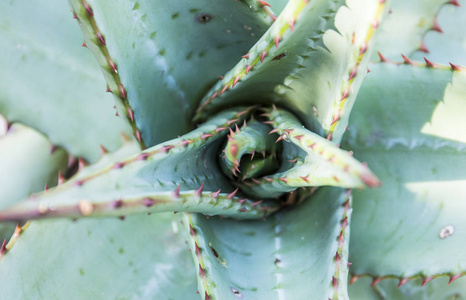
230,171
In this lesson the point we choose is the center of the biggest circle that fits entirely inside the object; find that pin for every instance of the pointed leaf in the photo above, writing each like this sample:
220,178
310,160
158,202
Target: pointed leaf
324,164
46,77
409,126
145,64
290,247
143,257
310,61
150,182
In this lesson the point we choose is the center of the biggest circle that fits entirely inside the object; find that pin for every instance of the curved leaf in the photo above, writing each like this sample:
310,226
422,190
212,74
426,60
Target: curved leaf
145,54
168,177
410,129
304,244
310,61
36,40
143,257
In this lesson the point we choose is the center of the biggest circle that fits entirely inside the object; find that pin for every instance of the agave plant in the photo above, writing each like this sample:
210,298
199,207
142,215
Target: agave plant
224,176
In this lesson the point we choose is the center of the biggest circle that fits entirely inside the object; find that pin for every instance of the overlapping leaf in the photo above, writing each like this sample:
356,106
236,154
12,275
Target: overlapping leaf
408,125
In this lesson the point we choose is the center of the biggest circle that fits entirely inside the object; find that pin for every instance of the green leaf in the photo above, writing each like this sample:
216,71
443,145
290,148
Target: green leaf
28,163
450,44
409,126
293,246
310,61
167,177
49,82
323,163
143,257
145,54
405,27
438,289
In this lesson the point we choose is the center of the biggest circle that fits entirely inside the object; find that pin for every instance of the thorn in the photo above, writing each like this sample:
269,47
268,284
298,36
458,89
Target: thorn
84,45
248,68
345,94
206,136
403,281
185,143
122,92
117,203
3,248
454,277
215,194
337,257
429,64
277,40
353,74
112,65
284,179
277,261
148,202
46,188
256,181
232,194
143,156
354,278
269,180
256,203
274,130
215,94
407,60
334,281
130,114
263,54
305,178
291,24
454,2
221,129
268,122
436,26
52,149
176,193
423,47
263,3
235,81
103,150
236,128
376,280
167,148
198,192
61,179
88,8
138,135
344,223
281,137
101,38
454,67
232,121
363,49
336,118
426,280
382,58
75,16
298,137
224,89
220,77
245,56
